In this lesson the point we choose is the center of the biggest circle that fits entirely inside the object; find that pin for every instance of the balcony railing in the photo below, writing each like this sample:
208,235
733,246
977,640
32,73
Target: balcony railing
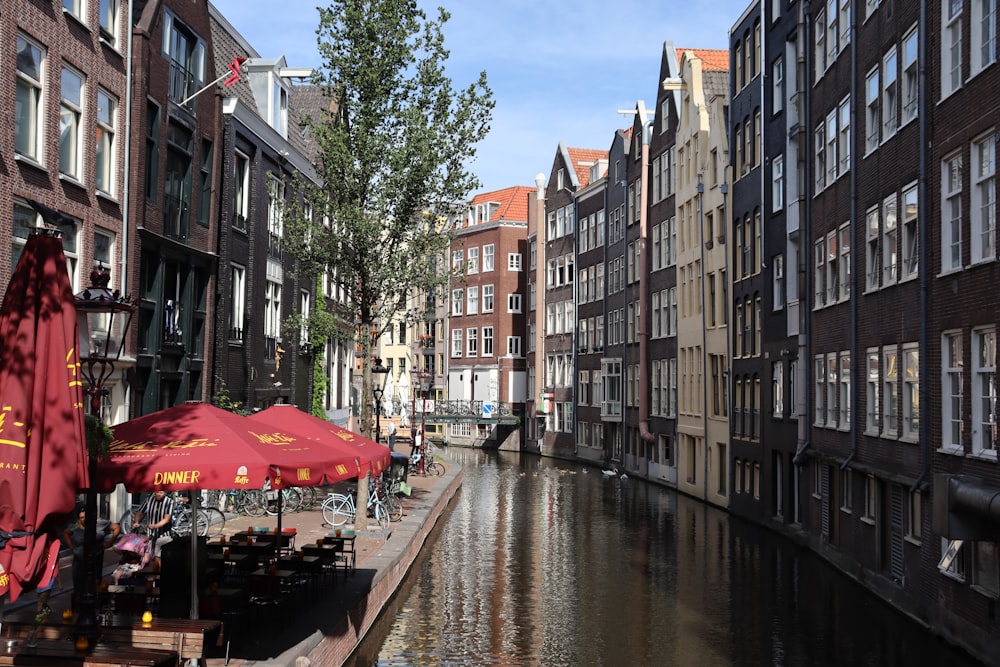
236,334
176,217
182,85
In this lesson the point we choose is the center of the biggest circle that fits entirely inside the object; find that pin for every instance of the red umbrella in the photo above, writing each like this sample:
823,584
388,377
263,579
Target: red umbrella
42,442
371,455
195,446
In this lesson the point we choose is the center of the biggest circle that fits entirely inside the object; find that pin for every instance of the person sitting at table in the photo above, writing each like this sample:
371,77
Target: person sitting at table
74,536
158,508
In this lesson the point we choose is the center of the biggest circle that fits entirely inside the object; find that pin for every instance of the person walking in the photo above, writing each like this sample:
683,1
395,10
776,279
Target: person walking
391,430
158,508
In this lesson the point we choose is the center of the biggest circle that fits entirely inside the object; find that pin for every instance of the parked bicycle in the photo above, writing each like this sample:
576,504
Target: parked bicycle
340,508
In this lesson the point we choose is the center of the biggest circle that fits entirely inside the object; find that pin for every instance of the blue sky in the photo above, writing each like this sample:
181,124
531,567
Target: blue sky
560,69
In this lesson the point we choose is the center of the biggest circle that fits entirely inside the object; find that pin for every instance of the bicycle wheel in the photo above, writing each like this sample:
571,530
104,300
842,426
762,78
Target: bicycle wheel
216,521
435,469
378,512
394,507
180,522
292,499
254,503
328,505
342,511
128,518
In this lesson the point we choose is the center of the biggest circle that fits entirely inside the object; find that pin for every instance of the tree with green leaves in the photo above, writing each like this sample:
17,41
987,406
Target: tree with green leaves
393,154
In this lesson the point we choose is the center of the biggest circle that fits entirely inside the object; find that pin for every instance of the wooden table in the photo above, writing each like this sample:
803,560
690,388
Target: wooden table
59,652
183,636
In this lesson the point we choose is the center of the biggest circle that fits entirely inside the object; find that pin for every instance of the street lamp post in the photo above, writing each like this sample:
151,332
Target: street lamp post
421,462
103,318
378,390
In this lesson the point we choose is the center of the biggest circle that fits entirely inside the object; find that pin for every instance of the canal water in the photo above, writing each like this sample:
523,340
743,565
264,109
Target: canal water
546,562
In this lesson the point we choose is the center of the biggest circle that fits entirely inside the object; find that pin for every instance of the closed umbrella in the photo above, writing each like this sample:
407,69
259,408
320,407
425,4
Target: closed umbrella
42,442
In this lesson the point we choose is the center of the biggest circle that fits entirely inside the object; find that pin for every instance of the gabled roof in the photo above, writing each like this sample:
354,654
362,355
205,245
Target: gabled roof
582,159
513,203
712,60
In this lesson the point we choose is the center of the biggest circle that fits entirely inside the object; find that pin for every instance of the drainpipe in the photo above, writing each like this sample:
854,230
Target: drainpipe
623,376
805,249
643,268
923,168
576,342
855,358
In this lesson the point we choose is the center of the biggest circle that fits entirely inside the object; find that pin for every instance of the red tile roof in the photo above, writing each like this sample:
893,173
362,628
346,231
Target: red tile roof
513,202
582,159
712,60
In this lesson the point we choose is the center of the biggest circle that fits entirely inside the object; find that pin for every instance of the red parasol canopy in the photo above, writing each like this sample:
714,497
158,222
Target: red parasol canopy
42,440
371,455
195,446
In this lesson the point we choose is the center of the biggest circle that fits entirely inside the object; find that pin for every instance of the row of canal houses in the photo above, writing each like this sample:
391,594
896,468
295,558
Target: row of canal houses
776,292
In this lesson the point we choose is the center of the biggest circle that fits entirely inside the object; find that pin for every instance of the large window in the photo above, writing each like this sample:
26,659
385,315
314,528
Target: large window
873,422
272,312
487,342
186,52
513,346
872,118
104,170
472,265
982,217
845,390
890,393
70,114
456,301
951,213
109,21
237,301
778,183
873,249
472,300
910,77
487,299
983,49
984,391
952,398
910,237
488,257
472,342
951,46
28,104
890,93
241,176
275,215
456,342
911,392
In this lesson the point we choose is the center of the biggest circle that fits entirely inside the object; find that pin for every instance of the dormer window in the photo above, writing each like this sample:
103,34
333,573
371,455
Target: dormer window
560,179
278,105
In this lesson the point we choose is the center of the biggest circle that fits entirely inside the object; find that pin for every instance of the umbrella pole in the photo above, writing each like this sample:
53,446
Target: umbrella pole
195,499
277,541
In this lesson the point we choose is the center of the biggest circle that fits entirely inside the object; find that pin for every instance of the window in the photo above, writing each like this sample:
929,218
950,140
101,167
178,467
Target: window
819,52
24,220
872,119
487,342
186,52
241,167
205,201
911,393
278,105
819,274
275,215
778,183
104,171
104,244
305,308
911,82
951,391
890,384
951,213
874,380
513,303
820,146
472,342
272,310
237,301
984,391
456,301
845,391
986,568
873,251
472,265
513,346
109,21
844,135
487,299
910,239
778,264
488,253
832,139
982,217
777,389
844,264
820,396
28,105
871,498
778,85
983,49
472,300
74,7
70,112
457,257
890,241
832,32
890,93
456,342
951,46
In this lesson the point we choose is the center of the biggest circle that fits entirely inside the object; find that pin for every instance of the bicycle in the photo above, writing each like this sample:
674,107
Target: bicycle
340,508
431,467
291,500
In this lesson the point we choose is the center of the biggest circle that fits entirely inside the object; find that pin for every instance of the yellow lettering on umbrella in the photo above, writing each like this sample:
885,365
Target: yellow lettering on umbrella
177,477
273,438
12,443
303,473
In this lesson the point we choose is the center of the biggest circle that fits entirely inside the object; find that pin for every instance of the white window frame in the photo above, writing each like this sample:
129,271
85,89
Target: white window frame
984,392
890,93
873,385
910,76
109,11
844,419
951,46
909,263
844,135
457,301
272,309
890,392
778,85
456,342
983,200
873,119
489,252
514,303
487,346
513,346
983,30
778,183
952,391
71,122
237,298
472,261
487,298
30,99
873,249
951,213
910,422
472,342
106,169
890,240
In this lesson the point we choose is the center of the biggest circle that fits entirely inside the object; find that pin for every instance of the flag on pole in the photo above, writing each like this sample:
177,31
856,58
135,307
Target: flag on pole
234,67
